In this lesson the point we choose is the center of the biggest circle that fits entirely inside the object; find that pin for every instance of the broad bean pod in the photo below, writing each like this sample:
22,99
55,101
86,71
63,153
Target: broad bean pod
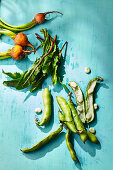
89,103
77,121
92,137
47,108
70,146
67,113
44,141
79,99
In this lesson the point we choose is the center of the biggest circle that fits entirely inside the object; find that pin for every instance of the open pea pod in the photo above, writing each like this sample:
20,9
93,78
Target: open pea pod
89,105
79,100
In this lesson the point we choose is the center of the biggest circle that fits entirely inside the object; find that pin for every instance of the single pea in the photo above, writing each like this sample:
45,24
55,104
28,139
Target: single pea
92,130
87,70
38,110
95,106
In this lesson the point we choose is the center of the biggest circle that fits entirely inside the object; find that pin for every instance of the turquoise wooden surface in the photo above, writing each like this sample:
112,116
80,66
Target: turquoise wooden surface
88,28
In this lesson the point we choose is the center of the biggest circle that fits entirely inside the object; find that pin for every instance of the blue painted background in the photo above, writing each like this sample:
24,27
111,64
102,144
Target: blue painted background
88,28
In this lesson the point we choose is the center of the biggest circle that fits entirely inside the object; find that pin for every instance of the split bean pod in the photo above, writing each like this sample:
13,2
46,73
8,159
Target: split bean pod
79,99
89,103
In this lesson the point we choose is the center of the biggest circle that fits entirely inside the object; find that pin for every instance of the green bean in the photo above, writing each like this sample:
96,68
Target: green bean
47,108
79,99
77,120
44,141
89,105
61,117
67,113
83,135
92,137
70,146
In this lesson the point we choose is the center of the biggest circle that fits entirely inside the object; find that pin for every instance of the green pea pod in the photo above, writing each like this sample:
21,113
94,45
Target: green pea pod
89,105
47,108
77,121
70,147
79,99
67,113
61,117
44,141
82,135
92,137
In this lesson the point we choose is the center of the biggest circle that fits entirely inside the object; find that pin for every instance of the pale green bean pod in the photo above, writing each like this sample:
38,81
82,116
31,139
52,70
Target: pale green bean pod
47,108
79,100
67,113
70,146
44,141
89,103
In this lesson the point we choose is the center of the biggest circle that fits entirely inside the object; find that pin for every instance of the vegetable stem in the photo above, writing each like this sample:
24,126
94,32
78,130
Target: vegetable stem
62,48
39,63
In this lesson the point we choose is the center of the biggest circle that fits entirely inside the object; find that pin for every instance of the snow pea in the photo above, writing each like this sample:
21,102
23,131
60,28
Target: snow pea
79,100
67,113
77,120
47,108
70,146
89,105
44,141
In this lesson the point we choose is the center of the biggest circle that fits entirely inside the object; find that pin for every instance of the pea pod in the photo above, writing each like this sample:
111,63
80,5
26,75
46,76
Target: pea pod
77,120
70,146
61,117
92,137
83,135
79,99
67,113
47,108
89,105
44,141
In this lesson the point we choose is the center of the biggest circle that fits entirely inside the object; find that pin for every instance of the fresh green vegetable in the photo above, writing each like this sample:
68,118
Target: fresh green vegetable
61,117
38,19
77,120
44,141
67,113
89,104
47,64
4,55
47,108
92,137
70,146
79,99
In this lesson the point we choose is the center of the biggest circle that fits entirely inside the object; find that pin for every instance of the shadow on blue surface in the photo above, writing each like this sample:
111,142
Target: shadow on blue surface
88,146
47,148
